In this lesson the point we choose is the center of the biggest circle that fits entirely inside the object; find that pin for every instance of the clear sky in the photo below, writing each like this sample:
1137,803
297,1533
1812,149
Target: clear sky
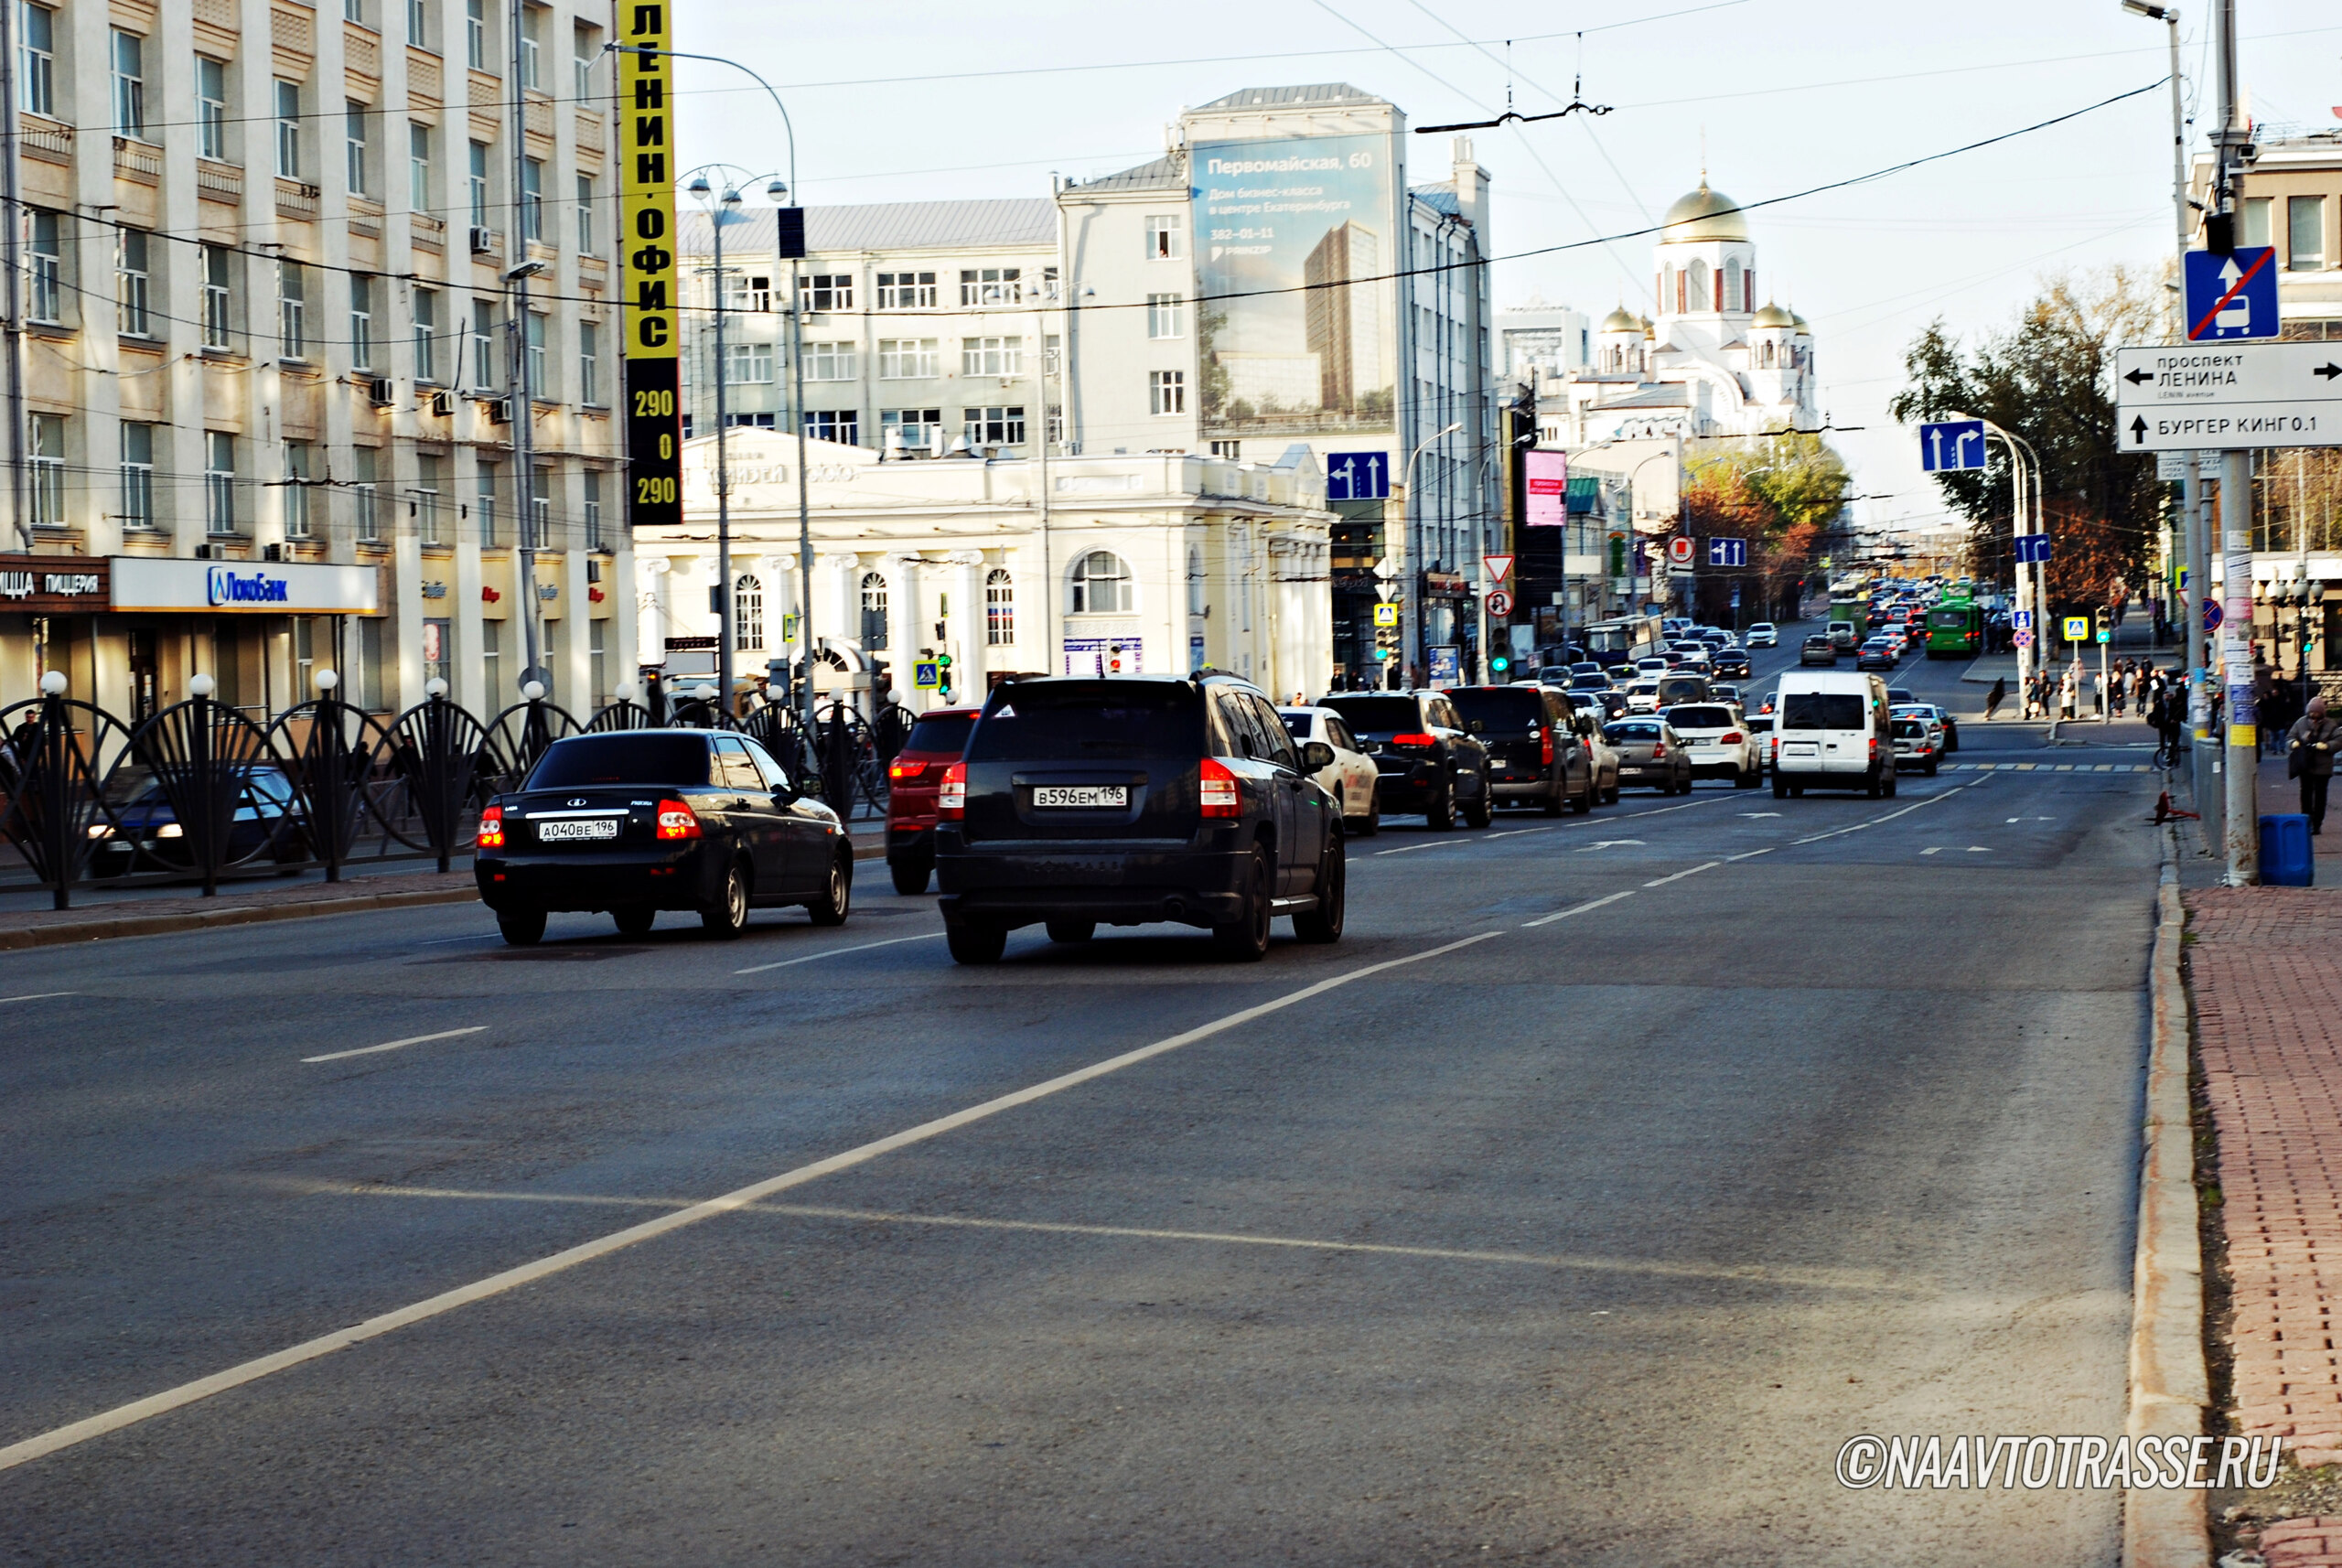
898,102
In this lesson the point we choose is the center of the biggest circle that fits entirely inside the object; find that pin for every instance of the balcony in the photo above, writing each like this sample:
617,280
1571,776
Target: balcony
51,141
137,160
362,50
591,126
424,81
297,201
428,232
539,114
216,181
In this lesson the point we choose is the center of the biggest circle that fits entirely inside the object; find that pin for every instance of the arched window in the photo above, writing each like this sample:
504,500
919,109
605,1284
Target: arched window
1732,283
1102,583
1000,607
1680,306
1197,603
1699,286
747,614
1765,356
874,609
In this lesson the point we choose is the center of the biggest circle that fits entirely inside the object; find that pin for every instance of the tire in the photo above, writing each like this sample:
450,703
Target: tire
1748,779
1889,790
1585,803
830,906
1931,769
911,872
1798,791
1245,939
1559,801
975,941
634,919
727,917
1323,925
1874,788
1072,931
1481,811
1610,796
1781,788
522,928
1441,817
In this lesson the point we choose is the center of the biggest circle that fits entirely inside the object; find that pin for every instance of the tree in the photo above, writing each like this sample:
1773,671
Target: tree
2049,379
1780,493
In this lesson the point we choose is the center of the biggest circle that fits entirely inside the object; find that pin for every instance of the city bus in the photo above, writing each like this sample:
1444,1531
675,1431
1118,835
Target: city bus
1956,630
1611,643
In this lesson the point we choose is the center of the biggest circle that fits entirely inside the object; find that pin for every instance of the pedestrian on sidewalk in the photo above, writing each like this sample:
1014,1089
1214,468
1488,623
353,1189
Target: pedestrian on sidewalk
2309,756
2117,685
1994,698
2069,694
2158,714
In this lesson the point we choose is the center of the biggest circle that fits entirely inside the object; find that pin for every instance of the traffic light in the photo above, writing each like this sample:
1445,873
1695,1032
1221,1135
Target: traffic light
943,677
1498,664
2103,620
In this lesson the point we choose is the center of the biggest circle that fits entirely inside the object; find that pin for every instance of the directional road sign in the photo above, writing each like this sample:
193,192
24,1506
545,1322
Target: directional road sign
2232,297
2032,548
1727,553
1679,551
1358,476
2021,619
2078,628
1499,568
2233,395
1499,603
1951,445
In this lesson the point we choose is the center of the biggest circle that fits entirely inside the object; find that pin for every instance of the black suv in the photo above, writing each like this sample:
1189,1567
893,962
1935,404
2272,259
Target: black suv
1142,798
1536,745
1427,757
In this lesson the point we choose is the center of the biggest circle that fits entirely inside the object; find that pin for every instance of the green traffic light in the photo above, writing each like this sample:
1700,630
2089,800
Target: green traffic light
1500,663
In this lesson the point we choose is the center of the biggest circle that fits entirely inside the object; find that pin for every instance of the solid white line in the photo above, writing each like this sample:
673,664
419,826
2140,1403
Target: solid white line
1429,843
839,952
1579,909
569,1258
40,996
1682,874
1753,852
1890,816
395,1045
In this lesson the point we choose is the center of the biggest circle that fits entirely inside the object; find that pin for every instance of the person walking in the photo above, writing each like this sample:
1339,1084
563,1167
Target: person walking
2309,756
1993,698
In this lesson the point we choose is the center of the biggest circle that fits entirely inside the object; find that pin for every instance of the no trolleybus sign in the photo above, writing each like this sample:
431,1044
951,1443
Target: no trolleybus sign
2229,395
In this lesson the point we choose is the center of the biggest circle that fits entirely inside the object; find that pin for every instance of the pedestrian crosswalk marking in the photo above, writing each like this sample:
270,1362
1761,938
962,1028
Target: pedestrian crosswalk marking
2051,767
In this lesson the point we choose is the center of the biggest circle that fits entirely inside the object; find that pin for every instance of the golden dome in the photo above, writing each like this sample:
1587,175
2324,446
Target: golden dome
1772,315
1705,214
1621,321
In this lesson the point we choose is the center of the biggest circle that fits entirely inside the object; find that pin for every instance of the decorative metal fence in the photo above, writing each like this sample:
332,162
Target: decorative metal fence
200,793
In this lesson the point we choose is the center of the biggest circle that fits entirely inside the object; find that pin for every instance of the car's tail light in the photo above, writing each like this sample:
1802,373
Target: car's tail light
1873,749
1658,750
677,821
1729,737
1219,792
1545,748
899,768
1424,741
492,829
951,796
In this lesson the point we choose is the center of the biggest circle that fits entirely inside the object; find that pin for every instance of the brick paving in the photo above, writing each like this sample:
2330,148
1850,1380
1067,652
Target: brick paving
2302,1544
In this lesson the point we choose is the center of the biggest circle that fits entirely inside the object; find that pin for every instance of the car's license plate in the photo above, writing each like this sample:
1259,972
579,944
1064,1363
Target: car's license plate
1078,795
578,828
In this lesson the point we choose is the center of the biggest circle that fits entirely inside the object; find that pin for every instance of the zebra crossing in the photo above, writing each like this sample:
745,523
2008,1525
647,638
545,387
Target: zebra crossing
2050,767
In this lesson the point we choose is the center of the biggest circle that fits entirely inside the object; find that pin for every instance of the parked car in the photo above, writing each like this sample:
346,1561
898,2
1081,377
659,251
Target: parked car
1818,649
1650,753
1729,659
1428,758
140,830
1717,738
1137,799
1536,755
1350,778
1917,744
1764,634
634,822
934,744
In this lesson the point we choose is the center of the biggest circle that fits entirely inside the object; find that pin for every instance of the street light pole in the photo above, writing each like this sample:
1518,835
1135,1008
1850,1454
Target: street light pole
1410,612
2240,829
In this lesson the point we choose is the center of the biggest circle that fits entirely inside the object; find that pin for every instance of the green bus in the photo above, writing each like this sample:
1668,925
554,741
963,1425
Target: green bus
1955,629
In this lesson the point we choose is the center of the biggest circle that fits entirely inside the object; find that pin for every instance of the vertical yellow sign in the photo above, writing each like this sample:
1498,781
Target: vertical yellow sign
650,302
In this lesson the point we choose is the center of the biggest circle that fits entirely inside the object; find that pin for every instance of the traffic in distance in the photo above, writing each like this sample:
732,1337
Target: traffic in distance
1074,802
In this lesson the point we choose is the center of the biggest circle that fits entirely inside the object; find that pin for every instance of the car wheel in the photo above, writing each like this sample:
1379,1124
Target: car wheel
522,928
1323,924
975,941
1781,788
1559,800
1931,768
1874,788
1071,931
1246,938
830,906
1798,791
634,919
1951,742
1585,802
912,871
1479,812
1441,816
1889,790
1748,778
1373,820
727,917
1610,796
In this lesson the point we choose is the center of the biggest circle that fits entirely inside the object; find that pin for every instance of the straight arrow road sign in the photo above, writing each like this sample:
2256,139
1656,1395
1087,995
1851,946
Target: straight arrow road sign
2229,395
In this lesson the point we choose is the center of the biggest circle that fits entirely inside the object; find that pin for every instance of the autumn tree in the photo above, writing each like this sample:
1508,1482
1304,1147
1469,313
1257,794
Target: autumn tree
1780,493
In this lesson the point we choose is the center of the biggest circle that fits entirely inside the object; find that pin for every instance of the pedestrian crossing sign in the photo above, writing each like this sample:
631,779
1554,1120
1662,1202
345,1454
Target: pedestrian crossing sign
1386,615
2078,628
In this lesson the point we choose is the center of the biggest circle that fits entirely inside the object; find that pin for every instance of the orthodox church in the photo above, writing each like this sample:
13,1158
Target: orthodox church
1714,363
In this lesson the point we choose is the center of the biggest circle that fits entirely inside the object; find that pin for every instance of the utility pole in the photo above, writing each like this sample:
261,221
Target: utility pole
2241,825
524,480
12,220
724,209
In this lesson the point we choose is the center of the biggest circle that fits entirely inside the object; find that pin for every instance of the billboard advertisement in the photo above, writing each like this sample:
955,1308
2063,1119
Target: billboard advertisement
1290,345
1548,475
654,446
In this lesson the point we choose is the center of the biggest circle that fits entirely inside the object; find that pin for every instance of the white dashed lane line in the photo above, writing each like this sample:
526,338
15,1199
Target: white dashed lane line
395,1045
838,952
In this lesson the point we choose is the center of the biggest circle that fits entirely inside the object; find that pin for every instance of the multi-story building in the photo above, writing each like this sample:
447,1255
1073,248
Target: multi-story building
1538,339
268,347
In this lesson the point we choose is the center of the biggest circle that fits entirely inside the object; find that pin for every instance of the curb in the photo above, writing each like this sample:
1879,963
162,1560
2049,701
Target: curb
2169,1385
60,933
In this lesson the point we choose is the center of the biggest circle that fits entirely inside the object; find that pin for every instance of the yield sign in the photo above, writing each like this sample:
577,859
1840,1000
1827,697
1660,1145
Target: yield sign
1499,568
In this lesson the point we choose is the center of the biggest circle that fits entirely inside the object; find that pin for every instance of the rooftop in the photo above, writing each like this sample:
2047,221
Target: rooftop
1284,97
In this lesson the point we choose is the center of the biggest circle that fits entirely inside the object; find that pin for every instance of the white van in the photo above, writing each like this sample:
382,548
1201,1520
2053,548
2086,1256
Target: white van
1832,730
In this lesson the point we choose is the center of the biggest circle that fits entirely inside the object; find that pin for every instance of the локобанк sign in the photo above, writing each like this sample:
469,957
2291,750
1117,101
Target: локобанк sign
230,587
52,585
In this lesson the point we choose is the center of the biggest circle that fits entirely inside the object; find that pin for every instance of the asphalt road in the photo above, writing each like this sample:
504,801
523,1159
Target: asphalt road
1588,1240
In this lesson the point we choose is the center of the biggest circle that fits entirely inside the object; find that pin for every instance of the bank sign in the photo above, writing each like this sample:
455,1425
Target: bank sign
155,584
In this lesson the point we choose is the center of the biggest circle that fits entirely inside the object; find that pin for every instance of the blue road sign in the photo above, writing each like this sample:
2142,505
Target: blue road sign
2211,615
927,676
2232,297
1951,445
2020,620
1727,553
1358,476
2032,548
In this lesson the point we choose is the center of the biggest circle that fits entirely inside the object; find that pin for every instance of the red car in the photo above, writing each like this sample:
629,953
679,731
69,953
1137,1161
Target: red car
912,780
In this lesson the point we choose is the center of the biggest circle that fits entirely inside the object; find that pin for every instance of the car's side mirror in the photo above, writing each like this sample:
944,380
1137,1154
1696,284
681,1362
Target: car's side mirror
1314,754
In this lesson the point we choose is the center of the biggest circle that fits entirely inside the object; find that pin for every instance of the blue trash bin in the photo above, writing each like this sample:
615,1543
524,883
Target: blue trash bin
2286,858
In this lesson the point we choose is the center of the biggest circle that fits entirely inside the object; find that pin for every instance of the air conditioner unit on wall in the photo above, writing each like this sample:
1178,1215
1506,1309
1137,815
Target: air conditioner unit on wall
383,391
500,410
440,403
483,241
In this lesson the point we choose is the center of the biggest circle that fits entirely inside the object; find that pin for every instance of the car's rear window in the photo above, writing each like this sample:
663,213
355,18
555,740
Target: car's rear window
1377,715
1297,725
1082,721
1910,729
1682,689
1759,724
633,757
1821,710
1632,729
1695,717
1500,708
943,737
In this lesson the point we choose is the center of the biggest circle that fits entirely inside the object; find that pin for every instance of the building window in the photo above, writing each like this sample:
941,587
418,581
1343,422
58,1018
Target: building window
484,503
829,361
418,167
129,84
540,509
215,262
825,291
991,355
743,292
589,364
1165,237
532,47
905,291
484,345
922,428
361,322
2304,233
747,614
478,184
1734,299
750,364
908,358
992,286
2254,229
476,33
1102,584
584,51
873,610
219,482
288,130
593,482
1197,603
843,425
36,60
1166,391
1696,285
1166,315
993,427
540,385
296,490
354,119
138,475
293,310
584,214
366,489
417,25
47,475
1000,609
491,659
533,196
426,498
210,107
354,11
598,659
48,268
427,335
131,284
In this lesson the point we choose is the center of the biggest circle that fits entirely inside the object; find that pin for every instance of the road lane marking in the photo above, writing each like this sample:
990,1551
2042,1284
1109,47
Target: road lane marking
1515,833
1578,909
1682,874
1427,843
498,1284
1979,849
1937,849
1606,843
839,952
395,1045
38,995
1857,827
1753,852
